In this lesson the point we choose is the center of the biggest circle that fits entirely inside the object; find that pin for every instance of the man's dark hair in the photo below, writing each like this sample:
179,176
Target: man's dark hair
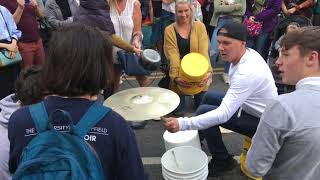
79,62
307,39
28,86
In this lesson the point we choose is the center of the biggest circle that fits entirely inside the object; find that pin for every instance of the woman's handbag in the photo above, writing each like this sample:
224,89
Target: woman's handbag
5,59
130,64
253,27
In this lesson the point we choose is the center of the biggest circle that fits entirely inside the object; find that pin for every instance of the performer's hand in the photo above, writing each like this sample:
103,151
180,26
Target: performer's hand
171,124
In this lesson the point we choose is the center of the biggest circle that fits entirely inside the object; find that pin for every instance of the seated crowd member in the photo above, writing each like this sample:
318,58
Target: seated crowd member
28,91
181,38
251,88
74,80
9,35
25,15
286,144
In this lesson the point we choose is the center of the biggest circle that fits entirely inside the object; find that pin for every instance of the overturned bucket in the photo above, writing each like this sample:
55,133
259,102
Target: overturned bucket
184,162
181,138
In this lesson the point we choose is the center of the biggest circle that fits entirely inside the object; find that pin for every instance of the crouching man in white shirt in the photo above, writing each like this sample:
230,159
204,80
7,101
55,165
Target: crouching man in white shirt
286,144
251,88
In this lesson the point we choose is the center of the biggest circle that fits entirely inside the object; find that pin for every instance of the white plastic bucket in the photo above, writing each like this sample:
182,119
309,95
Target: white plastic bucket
181,138
184,163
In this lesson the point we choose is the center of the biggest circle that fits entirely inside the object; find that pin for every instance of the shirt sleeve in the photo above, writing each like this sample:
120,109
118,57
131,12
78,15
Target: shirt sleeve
11,25
241,88
271,11
50,13
267,140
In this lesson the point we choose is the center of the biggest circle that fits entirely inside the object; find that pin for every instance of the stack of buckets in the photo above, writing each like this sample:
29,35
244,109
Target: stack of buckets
184,160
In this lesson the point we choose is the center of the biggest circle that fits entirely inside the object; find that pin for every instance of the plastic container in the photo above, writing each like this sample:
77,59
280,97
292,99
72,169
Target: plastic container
181,138
193,69
184,162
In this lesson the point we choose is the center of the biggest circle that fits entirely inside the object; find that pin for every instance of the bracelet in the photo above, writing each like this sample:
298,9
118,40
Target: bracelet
138,33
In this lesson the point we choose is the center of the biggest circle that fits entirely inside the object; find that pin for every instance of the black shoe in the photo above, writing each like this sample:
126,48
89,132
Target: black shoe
218,167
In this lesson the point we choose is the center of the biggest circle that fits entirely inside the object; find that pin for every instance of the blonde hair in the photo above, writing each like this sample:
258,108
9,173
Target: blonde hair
190,3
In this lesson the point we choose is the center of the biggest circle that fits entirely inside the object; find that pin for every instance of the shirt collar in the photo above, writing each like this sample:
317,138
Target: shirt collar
308,81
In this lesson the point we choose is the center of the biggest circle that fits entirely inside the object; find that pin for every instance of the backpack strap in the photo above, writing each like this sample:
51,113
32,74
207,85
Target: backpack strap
94,114
39,116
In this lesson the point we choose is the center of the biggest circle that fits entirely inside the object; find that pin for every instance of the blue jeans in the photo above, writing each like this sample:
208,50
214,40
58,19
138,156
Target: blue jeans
246,124
197,100
260,44
214,43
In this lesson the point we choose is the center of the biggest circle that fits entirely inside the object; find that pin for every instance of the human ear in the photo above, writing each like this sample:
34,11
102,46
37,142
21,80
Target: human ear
313,59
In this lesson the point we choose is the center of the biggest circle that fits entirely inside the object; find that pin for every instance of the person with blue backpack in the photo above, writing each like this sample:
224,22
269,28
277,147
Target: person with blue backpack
71,135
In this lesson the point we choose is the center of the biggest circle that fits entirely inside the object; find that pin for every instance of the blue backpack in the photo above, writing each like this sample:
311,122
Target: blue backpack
54,155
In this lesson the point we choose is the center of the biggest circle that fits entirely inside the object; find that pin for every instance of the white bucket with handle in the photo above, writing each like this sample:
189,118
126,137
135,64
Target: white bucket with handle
184,163
181,138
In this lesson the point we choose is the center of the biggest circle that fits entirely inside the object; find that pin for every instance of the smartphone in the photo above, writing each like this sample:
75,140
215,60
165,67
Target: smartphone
26,1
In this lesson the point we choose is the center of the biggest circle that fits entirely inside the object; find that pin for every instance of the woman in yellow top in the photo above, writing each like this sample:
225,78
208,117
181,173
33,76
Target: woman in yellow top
182,37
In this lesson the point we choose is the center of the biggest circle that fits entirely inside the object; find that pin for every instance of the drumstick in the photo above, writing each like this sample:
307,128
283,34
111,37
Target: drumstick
163,119
175,159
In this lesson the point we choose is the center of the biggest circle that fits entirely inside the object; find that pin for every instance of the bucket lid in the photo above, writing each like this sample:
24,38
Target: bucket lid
151,55
194,66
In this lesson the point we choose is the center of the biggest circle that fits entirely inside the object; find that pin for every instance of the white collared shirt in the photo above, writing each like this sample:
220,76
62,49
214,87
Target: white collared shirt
251,87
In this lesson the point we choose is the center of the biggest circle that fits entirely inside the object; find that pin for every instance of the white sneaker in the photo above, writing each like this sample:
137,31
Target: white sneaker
225,78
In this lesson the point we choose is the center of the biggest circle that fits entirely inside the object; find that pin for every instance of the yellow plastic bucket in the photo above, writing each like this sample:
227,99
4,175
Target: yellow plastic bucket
193,69
246,145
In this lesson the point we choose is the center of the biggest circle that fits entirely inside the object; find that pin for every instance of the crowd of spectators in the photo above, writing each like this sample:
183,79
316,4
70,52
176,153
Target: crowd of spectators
179,27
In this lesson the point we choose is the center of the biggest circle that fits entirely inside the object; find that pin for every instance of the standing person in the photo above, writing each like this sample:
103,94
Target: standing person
25,15
225,11
286,144
126,18
251,87
9,35
74,80
181,38
60,12
28,91
264,11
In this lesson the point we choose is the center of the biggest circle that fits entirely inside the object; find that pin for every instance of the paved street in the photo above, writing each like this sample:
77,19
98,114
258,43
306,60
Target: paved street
151,143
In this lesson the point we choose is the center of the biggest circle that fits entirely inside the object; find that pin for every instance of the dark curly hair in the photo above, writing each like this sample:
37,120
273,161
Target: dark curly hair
28,86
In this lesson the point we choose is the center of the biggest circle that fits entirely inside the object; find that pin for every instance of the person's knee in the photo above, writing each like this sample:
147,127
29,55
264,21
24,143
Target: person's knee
204,108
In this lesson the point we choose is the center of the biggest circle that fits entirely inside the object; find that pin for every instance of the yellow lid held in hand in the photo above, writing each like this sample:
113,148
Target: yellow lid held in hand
193,68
